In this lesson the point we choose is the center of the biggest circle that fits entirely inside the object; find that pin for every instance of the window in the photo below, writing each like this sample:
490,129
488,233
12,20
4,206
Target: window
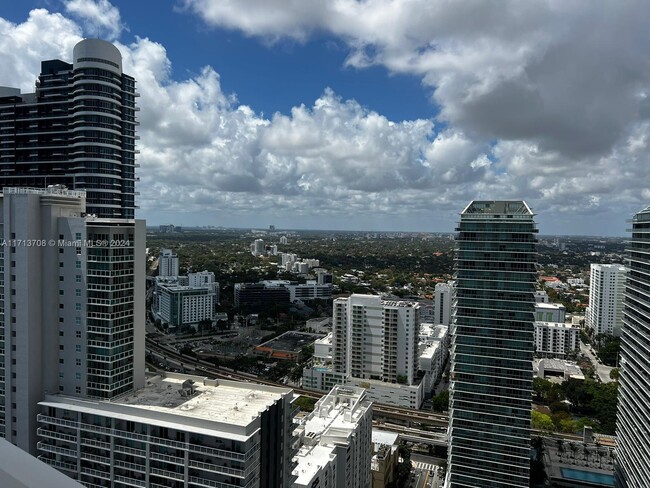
77,306
77,348
77,278
78,264
77,320
60,333
78,334
78,236
77,389
61,347
77,376
78,292
77,362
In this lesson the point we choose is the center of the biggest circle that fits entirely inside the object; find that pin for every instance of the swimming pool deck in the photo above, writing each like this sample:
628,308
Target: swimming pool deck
595,472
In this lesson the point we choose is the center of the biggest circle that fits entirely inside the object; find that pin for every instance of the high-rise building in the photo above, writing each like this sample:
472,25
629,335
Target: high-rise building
77,129
442,303
178,430
73,303
606,289
167,263
374,344
492,347
633,418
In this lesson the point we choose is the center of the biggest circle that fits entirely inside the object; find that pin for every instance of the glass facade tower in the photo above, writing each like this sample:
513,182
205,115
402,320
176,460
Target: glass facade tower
77,129
492,347
633,418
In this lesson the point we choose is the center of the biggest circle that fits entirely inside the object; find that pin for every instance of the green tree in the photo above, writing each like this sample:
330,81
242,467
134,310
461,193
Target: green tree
541,421
440,402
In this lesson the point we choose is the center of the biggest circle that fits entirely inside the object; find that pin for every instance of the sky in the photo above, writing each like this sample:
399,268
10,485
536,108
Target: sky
369,114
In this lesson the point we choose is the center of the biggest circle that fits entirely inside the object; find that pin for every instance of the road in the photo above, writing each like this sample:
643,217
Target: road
425,471
602,370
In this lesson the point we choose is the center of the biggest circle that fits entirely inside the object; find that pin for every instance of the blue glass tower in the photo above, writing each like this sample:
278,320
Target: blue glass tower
633,418
492,347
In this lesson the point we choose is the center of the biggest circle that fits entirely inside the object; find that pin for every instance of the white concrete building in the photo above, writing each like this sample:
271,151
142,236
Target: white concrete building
283,240
185,305
442,303
375,345
310,290
556,339
257,247
204,279
541,297
336,442
168,263
550,312
73,305
434,351
606,288
21,470
179,431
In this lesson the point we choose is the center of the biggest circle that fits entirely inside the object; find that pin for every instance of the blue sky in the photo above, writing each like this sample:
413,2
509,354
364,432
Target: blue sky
375,114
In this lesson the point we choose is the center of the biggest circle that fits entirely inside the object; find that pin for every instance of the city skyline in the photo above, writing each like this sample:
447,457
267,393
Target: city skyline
306,118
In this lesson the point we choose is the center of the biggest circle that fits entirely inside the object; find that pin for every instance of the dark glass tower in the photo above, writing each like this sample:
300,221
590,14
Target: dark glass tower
77,130
633,418
492,347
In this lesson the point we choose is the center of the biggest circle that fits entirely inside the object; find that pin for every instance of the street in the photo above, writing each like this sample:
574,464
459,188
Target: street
601,370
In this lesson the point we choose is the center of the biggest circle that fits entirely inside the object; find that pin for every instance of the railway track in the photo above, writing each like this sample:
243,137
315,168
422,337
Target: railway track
208,369
380,411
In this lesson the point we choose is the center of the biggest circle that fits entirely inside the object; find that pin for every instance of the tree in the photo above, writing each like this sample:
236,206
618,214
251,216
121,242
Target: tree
541,421
306,404
615,374
440,402
560,448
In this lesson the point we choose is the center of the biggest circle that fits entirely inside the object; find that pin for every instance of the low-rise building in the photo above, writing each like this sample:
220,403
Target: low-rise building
434,351
550,312
383,465
287,346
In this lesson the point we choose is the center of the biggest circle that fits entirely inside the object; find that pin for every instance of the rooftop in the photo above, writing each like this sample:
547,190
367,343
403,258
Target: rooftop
291,341
210,407
515,207
218,401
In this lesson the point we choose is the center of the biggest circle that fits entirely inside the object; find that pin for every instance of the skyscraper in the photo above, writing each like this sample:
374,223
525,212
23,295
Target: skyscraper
73,305
633,419
606,287
77,129
492,347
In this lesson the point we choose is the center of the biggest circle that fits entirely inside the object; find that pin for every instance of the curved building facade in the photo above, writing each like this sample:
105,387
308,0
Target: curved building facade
77,129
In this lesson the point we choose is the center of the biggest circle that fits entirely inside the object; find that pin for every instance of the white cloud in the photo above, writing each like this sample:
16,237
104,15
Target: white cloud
522,117
100,17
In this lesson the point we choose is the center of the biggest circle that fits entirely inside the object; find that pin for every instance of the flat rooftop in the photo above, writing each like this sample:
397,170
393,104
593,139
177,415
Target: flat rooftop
226,408
291,341
230,403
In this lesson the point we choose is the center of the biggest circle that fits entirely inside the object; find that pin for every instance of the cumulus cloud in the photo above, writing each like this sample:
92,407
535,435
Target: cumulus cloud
559,89
100,17
537,100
